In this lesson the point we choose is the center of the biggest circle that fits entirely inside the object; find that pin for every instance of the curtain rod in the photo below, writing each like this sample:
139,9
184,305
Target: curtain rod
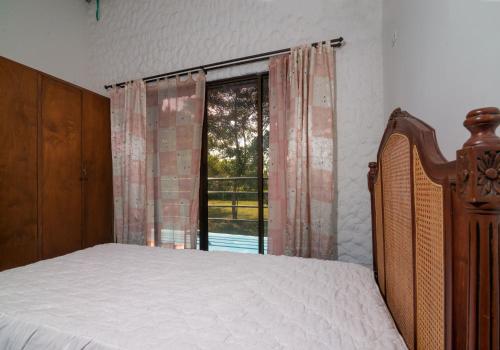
338,42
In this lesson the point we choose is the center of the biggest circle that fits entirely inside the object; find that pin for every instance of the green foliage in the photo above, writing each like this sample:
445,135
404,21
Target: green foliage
232,131
218,167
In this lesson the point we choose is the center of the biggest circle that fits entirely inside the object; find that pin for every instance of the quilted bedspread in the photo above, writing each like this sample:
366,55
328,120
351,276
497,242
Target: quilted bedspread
130,297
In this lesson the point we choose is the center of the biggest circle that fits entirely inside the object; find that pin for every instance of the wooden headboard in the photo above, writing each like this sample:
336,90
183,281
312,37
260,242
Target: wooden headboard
436,230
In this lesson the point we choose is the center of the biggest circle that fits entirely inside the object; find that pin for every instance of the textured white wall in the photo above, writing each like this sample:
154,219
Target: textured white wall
141,38
49,35
446,61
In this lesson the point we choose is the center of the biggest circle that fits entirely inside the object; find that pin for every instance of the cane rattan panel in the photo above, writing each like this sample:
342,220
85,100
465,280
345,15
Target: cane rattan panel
396,177
379,231
429,259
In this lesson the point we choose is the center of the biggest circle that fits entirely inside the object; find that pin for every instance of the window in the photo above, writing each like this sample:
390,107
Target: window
235,154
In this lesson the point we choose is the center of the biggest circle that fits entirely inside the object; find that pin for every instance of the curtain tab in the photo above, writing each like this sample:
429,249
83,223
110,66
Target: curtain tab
202,73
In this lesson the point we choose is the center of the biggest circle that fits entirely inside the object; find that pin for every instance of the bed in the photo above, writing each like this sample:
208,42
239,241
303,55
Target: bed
435,271
132,297
436,233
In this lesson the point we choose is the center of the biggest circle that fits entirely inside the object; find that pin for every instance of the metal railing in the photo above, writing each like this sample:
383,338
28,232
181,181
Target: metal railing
234,197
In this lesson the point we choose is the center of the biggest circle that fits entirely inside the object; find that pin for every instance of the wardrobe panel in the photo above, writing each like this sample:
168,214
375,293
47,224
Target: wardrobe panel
18,164
98,194
61,192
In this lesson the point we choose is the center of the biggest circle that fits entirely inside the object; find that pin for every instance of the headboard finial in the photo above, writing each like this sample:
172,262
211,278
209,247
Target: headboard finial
395,113
482,124
478,174
398,113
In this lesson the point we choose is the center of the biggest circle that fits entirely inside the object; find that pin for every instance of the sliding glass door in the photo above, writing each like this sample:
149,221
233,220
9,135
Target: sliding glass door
233,196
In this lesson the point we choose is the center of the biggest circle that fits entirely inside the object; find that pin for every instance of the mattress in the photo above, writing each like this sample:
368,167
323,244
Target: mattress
116,296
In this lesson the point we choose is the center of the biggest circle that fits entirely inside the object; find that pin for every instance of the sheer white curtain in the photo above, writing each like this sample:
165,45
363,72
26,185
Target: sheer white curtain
175,110
128,143
302,170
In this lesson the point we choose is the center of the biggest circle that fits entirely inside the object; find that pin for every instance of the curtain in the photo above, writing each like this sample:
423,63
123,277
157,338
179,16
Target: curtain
175,110
128,143
302,172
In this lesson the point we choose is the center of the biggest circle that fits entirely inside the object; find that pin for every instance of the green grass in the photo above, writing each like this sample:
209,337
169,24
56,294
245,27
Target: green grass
243,213
235,227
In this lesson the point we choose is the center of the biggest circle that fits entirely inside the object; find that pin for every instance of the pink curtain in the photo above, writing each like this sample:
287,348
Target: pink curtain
174,132
128,142
302,200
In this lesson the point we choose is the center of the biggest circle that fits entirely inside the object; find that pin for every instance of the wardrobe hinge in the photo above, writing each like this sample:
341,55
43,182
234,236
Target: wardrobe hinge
83,176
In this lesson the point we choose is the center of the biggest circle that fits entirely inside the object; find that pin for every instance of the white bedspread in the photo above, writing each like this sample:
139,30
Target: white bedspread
130,297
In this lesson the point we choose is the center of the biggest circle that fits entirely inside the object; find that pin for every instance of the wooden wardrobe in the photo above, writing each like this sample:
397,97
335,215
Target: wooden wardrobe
55,167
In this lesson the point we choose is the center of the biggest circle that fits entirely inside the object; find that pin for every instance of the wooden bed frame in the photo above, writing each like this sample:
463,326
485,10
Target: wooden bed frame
436,233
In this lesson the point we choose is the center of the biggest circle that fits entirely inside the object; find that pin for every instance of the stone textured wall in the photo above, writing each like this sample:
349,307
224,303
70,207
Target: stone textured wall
140,38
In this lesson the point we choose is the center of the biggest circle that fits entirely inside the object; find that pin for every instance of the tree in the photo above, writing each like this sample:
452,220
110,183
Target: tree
232,136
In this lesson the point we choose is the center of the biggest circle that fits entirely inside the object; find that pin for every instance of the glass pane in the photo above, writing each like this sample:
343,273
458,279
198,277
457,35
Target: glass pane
232,130
265,149
232,167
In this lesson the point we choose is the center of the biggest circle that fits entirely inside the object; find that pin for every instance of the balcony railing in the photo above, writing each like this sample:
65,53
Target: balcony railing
233,214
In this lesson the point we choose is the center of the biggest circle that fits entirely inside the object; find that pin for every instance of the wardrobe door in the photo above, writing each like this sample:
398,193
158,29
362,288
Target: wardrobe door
18,164
61,192
98,193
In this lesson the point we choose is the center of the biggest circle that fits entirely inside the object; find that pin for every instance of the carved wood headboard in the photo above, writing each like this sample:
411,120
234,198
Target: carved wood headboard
436,230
